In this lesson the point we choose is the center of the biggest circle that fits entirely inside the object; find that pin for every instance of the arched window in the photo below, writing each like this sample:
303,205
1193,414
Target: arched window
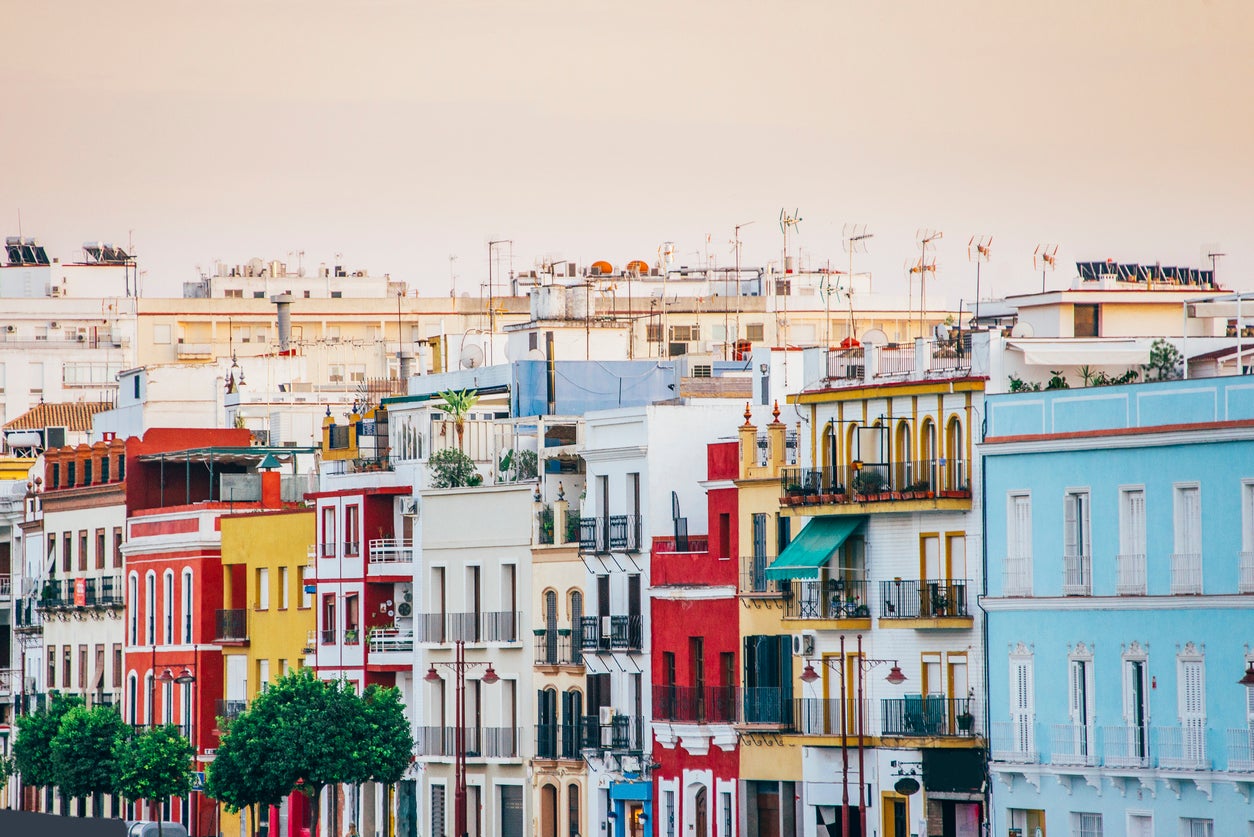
132,690
188,599
546,724
576,609
548,811
167,600
150,715
132,603
904,472
572,800
955,455
150,606
572,722
829,447
550,627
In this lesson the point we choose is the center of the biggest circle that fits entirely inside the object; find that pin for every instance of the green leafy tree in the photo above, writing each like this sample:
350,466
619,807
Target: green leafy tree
82,750
155,764
459,405
32,750
450,468
1164,361
244,774
388,743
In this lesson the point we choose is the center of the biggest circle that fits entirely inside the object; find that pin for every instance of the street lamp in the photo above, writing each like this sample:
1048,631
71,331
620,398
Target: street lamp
459,667
895,677
187,679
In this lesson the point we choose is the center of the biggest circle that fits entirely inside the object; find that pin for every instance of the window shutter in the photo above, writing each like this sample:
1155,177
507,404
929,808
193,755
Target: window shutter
1070,540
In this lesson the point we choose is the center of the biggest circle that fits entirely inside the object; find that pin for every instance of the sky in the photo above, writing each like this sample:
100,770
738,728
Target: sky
392,136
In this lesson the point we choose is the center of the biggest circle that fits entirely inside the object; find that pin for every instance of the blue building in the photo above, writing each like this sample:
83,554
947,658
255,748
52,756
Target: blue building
1119,559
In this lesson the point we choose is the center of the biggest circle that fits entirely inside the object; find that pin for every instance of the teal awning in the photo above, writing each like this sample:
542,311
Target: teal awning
813,548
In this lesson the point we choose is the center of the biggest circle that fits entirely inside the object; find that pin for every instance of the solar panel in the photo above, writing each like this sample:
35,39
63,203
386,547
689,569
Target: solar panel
41,257
1207,277
1143,273
15,253
1127,272
1086,271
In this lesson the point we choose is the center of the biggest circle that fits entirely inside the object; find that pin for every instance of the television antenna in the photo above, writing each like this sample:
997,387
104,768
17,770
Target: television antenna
452,277
926,238
786,223
978,250
1045,259
854,238
736,245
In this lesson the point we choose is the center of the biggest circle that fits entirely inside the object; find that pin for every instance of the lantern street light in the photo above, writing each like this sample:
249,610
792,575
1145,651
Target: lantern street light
186,679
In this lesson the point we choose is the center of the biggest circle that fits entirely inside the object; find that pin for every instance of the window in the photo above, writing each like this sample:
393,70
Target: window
284,590
1245,577
167,581
755,332
82,666
263,674
653,332
1076,555
263,589
1186,560
352,530
1086,320
132,603
101,551
233,293
1191,827
117,665
1079,745
67,655
1132,748
188,599
1018,569
685,333
437,809
117,547
82,551
328,532
1086,825
56,474
328,619
1130,562
52,666
351,614
71,474
1022,705
572,798
306,598
768,679
1191,703
86,472
150,605
67,552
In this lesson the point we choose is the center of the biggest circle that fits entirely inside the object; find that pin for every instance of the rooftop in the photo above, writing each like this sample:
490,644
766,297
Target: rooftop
73,416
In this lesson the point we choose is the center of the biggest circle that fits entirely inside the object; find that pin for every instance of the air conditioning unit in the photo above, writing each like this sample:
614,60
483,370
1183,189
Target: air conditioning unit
803,645
53,324
10,328
404,609
607,716
409,505
606,629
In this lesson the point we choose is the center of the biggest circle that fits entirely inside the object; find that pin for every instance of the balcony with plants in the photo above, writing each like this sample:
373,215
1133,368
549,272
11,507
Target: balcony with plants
925,603
558,647
843,602
861,487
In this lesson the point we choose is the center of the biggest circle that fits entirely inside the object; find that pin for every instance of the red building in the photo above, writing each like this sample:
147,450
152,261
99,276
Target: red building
696,640
173,550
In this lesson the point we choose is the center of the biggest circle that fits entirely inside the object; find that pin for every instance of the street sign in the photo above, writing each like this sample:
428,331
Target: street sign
198,780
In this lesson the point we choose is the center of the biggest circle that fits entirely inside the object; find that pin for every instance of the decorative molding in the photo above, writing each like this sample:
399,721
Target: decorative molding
1064,603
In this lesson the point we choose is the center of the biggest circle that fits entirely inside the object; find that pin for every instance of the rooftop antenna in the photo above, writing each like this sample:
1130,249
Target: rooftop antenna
978,250
854,238
452,277
1045,259
1214,255
926,238
736,245
786,222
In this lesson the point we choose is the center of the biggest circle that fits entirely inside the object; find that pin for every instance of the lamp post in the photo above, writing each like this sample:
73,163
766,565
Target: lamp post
895,677
188,679
459,667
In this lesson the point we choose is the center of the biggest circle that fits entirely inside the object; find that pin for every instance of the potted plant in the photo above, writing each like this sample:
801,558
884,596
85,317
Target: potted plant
867,483
966,722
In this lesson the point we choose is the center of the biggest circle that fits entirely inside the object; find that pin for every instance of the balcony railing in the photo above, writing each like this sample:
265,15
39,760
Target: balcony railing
485,626
876,482
1130,572
1017,577
928,716
328,637
328,550
922,599
594,534
384,640
624,734
770,706
231,625
1186,573
560,741
1077,575
701,705
480,742
625,532
229,709
832,598
1181,748
1126,746
6,586
1013,741
1073,744
612,633
391,551
557,648
1245,573
822,716
753,580
1241,750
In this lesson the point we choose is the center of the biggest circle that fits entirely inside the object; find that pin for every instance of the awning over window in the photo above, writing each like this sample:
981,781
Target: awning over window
813,548
1078,352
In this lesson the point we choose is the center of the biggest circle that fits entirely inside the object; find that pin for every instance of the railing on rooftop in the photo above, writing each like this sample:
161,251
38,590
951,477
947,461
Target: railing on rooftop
922,358
391,551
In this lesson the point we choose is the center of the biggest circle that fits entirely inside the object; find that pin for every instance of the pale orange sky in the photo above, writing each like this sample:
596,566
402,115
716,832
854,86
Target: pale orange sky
400,133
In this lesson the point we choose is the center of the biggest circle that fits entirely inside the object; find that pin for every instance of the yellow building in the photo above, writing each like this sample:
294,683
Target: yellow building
266,619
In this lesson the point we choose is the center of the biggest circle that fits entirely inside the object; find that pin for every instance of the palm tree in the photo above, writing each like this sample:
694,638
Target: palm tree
459,405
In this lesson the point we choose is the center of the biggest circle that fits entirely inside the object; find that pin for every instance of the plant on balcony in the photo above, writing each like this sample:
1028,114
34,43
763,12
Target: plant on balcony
966,722
546,525
350,636
1164,362
450,468
868,482
524,465
459,405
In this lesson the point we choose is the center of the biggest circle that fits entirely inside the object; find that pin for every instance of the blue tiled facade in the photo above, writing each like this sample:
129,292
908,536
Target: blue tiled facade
1119,556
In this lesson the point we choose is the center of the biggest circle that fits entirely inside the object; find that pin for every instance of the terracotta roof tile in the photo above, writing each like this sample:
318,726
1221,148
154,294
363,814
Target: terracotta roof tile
74,416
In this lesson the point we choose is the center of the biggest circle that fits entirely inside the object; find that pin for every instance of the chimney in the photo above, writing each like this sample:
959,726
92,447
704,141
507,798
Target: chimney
283,302
271,483
406,363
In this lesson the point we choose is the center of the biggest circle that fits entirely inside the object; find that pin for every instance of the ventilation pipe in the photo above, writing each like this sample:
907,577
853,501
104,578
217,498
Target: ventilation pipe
283,302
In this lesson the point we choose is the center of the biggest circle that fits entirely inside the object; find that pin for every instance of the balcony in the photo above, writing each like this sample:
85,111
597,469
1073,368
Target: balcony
1186,574
1016,577
1077,575
480,742
832,599
1130,574
766,706
484,626
1126,746
624,734
928,716
390,551
695,705
6,586
594,534
753,580
625,532
1014,741
612,633
231,626
328,637
1181,748
229,709
557,648
1073,744
822,716
560,741
327,549
930,603
1241,750
1245,573
837,489
390,646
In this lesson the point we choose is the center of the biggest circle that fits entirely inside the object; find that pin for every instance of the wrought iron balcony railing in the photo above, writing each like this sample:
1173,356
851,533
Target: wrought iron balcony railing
923,599
827,599
689,704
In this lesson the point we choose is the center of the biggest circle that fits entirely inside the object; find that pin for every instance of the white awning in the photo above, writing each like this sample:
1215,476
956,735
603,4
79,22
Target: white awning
1055,352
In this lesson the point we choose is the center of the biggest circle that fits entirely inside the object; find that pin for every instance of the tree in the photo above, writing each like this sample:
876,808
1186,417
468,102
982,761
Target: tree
450,468
389,743
459,405
82,750
156,764
1164,361
32,750
244,774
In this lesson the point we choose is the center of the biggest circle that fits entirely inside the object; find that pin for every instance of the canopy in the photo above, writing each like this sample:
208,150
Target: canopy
813,547
1054,352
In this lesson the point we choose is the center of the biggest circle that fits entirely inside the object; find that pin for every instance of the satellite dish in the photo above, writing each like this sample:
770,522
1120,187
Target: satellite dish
906,786
941,333
1022,330
535,354
471,357
874,337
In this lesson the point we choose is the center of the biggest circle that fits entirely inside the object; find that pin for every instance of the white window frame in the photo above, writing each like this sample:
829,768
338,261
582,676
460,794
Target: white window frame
1022,703
1132,541
1018,543
189,606
1197,827
1186,537
1245,577
167,602
1086,824
1077,543
263,588
1191,702
1081,688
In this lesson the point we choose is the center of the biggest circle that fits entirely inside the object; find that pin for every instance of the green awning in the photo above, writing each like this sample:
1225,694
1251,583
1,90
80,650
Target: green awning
813,548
